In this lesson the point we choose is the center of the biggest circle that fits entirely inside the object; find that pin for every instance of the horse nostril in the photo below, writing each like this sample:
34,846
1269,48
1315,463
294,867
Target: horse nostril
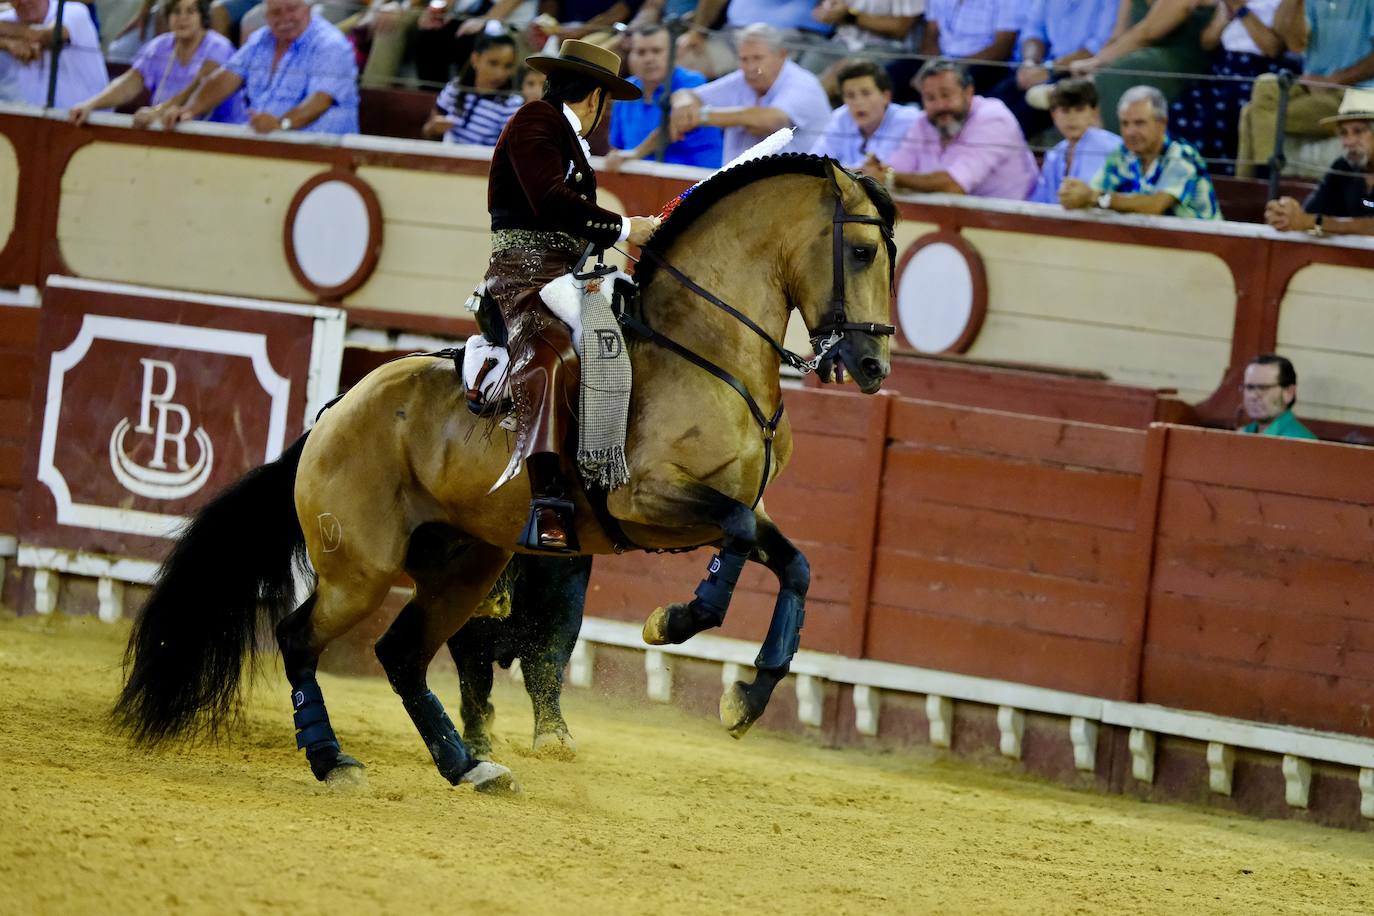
871,366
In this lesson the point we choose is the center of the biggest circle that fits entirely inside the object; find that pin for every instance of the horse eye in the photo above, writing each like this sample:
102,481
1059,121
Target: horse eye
864,253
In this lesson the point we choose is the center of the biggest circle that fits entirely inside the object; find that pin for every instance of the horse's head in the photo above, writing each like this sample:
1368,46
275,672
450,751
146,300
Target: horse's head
845,280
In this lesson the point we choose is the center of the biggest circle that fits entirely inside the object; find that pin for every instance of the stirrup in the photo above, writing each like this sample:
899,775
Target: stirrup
529,537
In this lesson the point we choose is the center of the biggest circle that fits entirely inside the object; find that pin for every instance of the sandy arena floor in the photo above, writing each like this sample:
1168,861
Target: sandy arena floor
661,813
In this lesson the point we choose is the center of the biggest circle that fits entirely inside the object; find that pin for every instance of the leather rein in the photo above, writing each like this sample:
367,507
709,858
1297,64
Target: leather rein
825,337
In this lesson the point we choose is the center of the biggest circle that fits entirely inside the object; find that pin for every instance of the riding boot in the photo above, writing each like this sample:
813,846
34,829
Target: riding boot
549,528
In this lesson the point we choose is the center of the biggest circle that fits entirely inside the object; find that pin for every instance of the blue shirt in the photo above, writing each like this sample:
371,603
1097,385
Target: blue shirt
780,14
1089,156
1066,26
969,26
843,141
320,60
632,121
1339,34
796,92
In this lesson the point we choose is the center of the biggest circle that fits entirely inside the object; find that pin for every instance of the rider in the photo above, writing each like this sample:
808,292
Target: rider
542,199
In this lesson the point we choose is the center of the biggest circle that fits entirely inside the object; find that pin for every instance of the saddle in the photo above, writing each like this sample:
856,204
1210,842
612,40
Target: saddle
482,362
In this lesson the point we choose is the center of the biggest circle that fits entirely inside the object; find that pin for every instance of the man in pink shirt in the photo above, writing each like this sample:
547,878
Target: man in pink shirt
961,143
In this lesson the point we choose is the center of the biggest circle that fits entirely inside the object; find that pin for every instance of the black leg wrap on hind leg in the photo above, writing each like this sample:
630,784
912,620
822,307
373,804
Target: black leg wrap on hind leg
314,734
436,729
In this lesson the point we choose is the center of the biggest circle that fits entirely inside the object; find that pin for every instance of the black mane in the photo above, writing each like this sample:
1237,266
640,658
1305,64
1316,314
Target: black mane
720,185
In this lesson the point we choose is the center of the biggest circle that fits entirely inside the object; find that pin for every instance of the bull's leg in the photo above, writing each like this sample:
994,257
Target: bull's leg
742,704
447,590
473,654
549,596
678,623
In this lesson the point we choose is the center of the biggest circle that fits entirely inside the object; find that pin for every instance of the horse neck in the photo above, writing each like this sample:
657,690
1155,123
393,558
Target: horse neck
740,260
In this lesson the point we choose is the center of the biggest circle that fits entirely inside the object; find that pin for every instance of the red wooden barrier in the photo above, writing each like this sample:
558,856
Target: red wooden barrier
1259,605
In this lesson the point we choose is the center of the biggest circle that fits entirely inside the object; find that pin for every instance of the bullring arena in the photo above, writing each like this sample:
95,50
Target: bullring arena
1072,644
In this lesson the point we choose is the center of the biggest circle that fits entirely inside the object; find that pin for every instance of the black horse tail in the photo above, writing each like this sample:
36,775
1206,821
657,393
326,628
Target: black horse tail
230,574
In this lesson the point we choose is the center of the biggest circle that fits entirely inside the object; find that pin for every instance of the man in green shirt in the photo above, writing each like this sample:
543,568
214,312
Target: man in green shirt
1269,392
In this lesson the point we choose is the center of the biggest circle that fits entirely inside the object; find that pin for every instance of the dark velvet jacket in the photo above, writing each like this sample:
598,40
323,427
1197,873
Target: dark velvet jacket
541,180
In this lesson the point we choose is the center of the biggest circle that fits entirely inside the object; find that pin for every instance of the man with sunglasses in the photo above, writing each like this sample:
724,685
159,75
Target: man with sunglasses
1269,392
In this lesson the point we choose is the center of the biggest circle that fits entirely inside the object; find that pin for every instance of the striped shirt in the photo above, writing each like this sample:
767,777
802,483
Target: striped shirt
479,119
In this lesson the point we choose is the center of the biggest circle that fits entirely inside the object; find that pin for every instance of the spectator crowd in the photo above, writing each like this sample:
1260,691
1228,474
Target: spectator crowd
1132,104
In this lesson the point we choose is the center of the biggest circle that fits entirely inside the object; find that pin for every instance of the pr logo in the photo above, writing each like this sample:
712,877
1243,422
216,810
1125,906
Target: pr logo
156,412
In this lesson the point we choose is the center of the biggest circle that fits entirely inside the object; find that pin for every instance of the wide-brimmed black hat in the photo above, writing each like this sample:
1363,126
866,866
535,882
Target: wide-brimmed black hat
591,61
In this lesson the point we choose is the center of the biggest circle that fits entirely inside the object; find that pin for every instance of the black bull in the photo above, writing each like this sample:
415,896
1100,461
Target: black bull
546,597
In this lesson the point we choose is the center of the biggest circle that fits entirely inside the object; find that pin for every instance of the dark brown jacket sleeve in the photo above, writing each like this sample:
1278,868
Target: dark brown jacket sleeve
538,146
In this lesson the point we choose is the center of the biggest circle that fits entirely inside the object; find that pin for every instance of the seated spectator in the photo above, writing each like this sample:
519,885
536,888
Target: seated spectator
1243,46
26,33
443,34
1334,39
1344,202
877,30
170,67
532,83
1054,34
1085,147
767,93
867,122
299,73
1150,172
960,143
478,115
973,30
714,53
1155,36
1269,392
635,125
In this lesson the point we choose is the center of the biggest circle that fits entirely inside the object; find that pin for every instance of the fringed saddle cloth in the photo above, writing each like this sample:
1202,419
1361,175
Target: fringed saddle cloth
604,400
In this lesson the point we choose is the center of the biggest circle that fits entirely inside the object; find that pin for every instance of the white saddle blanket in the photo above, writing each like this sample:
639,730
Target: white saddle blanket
563,297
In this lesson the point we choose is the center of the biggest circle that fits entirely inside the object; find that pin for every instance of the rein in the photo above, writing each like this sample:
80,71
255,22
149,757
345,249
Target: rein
824,338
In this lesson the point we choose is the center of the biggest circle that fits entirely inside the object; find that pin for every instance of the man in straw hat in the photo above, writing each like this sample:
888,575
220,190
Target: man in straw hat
1344,202
542,199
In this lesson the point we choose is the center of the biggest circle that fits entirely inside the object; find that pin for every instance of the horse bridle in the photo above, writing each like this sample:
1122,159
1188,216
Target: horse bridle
825,337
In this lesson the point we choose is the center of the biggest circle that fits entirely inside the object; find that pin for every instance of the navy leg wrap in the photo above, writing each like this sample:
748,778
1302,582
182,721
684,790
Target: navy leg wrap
313,731
716,590
784,632
436,729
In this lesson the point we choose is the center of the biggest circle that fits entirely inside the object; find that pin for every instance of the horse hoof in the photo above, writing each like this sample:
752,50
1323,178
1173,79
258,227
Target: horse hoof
491,778
656,628
736,714
555,745
347,776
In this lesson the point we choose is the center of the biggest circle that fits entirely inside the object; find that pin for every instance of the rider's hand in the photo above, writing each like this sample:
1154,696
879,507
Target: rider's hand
642,228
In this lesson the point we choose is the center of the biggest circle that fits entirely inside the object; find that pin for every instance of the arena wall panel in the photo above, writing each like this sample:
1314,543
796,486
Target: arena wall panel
9,189
1263,564
1326,326
124,217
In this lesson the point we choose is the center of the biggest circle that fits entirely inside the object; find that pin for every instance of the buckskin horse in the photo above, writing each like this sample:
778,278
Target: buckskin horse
396,476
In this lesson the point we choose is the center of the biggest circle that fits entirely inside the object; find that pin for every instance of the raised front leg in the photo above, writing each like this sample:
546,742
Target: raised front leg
742,704
678,623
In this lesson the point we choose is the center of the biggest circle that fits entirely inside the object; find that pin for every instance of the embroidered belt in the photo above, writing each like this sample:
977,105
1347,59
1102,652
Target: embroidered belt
535,240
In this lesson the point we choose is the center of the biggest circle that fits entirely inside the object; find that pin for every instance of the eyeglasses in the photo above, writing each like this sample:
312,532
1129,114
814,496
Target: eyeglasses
1256,389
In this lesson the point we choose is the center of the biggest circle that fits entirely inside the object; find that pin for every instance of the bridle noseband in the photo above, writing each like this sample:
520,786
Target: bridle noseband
825,337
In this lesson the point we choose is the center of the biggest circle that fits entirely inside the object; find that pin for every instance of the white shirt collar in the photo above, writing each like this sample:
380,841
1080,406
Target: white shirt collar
576,123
